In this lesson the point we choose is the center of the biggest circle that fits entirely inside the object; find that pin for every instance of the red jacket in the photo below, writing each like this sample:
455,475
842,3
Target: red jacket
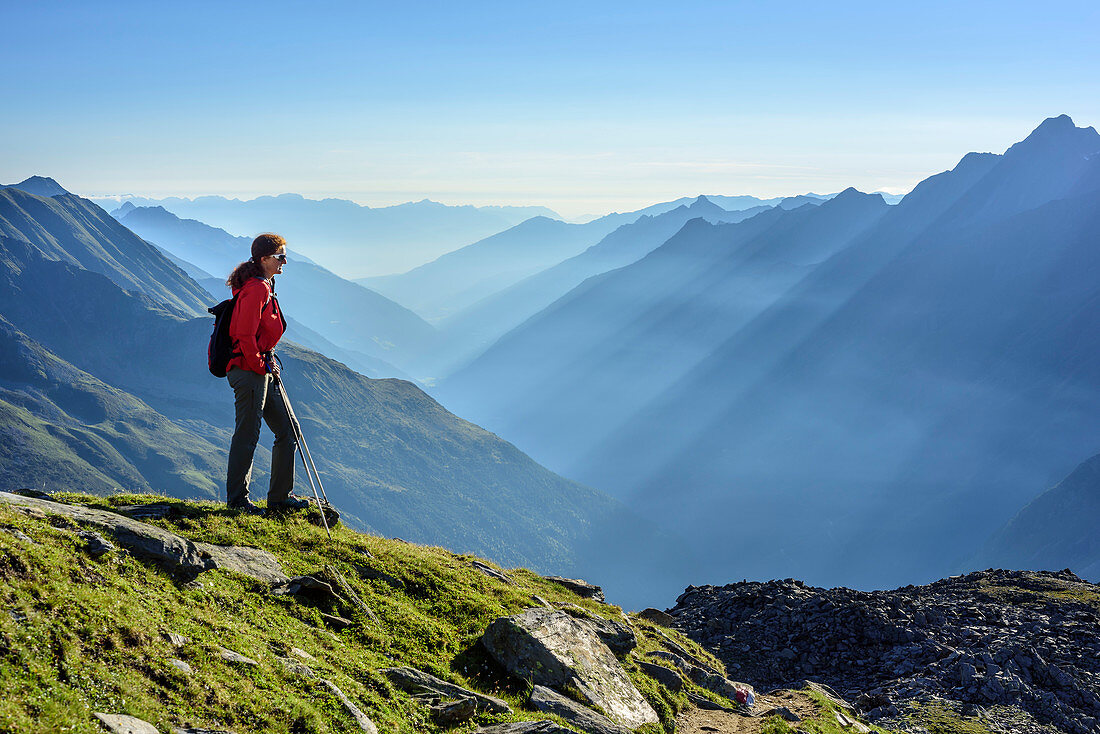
256,326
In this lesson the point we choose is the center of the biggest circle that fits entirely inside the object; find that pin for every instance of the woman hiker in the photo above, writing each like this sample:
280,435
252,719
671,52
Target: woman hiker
255,328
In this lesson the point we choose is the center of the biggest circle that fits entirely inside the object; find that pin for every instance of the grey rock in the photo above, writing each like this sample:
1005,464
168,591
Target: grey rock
299,652
36,494
550,702
235,657
151,511
415,681
824,690
525,727
122,724
95,545
332,515
307,586
296,668
782,712
618,636
848,722
966,673
666,677
254,562
580,587
657,616
361,720
491,572
336,622
703,678
1007,643
180,665
683,652
552,648
156,543
176,640
17,533
705,703
453,713
137,537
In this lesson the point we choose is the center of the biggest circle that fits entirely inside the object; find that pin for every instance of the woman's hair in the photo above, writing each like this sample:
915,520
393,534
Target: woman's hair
264,245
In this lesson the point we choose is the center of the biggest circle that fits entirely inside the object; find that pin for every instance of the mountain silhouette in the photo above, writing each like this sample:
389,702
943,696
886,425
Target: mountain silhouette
39,186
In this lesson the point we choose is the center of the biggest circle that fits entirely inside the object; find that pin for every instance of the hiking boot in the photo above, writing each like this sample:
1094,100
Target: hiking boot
290,504
246,508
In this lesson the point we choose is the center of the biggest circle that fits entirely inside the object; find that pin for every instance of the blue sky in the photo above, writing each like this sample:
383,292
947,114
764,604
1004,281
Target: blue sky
581,107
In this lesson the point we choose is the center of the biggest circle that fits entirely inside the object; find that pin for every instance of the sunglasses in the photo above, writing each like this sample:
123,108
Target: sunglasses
280,258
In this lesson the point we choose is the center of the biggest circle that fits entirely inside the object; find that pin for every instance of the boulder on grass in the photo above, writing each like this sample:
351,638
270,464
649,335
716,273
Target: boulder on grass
551,702
552,648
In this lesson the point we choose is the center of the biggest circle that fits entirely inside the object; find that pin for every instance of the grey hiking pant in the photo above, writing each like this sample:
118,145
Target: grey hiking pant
257,396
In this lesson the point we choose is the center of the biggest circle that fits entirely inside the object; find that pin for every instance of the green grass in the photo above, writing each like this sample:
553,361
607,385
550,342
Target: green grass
825,722
79,634
1042,590
942,717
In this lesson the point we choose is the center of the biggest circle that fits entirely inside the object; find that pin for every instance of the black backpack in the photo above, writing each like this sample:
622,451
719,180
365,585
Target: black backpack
220,349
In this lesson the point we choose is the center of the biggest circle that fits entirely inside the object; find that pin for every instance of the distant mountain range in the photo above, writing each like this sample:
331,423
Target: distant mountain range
459,280
471,331
463,277
347,238
374,332
103,386
854,393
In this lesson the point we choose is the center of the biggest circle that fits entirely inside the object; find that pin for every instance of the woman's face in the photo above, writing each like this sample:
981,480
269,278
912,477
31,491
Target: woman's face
273,264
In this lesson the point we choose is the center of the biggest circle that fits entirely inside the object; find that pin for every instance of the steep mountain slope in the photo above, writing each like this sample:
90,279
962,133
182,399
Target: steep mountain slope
457,279
909,394
61,427
353,318
123,388
74,230
469,332
590,360
1057,529
39,186
353,241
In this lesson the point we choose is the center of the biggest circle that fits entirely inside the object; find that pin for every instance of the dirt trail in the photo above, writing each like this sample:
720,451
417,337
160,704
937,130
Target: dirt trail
698,721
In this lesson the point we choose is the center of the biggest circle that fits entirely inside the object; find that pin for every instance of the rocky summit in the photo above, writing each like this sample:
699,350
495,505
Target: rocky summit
1020,647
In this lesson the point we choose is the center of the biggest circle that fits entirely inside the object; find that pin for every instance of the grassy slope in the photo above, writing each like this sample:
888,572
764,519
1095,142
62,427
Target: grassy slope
80,634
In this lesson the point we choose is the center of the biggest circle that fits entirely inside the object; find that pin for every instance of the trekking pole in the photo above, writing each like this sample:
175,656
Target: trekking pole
300,438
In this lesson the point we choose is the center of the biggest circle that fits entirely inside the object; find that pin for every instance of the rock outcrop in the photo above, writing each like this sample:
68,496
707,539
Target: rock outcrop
154,542
416,682
551,702
554,649
1025,639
